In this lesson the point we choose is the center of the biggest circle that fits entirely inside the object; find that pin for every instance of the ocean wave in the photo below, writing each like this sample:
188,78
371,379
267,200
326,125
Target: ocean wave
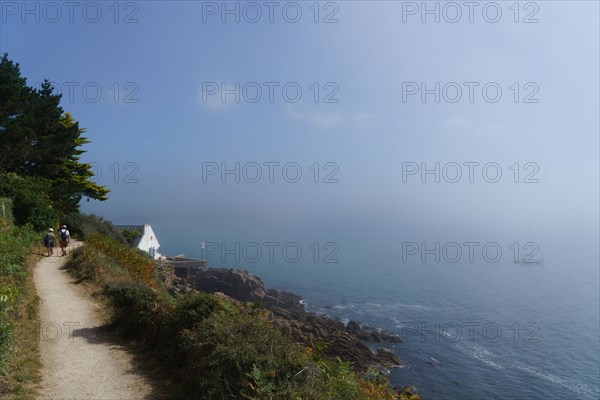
571,384
370,306
470,349
479,353
416,306
487,357
393,306
344,306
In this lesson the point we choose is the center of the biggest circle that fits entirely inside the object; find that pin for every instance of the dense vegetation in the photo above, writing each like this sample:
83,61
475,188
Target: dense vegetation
32,205
215,347
18,303
6,214
83,225
131,235
40,149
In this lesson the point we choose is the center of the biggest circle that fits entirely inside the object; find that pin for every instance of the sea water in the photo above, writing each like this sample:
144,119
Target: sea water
469,330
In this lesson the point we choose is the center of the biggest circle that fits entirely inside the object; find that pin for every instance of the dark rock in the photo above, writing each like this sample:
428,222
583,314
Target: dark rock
286,311
370,334
408,393
278,298
353,327
233,282
387,358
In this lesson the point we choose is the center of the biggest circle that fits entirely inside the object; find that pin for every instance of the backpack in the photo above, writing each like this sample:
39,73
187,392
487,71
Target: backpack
47,240
63,234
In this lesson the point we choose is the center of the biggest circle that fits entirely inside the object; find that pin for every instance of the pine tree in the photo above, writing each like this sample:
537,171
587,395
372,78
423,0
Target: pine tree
37,138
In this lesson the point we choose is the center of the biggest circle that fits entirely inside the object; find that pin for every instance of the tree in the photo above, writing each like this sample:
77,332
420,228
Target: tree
130,235
37,138
14,96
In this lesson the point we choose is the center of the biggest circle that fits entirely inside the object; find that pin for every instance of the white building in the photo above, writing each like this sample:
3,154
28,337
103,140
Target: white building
147,241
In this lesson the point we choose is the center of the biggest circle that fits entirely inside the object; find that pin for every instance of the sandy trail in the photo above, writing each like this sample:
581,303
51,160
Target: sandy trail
75,364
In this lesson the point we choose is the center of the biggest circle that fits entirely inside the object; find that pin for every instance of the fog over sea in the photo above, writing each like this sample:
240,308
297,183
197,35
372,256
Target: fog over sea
488,329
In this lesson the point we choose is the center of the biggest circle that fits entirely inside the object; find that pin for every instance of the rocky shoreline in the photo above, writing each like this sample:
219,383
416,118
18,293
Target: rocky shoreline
350,342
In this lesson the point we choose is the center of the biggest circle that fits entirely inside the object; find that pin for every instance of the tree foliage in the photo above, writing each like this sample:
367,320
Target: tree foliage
31,203
39,139
130,235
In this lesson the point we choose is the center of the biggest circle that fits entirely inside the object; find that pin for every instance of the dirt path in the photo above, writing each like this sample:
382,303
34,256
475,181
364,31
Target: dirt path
75,363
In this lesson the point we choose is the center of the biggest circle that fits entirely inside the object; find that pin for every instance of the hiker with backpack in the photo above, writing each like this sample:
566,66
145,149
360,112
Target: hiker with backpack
49,242
65,238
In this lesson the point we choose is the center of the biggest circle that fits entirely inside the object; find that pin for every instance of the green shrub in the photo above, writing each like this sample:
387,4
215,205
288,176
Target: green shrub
31,203
192,308
230,348
83,225
6,214
15,244
138,311
90,264
130,235
135,262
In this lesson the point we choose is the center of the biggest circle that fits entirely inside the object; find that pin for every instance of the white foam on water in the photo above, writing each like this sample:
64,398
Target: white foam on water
415,306
404,324
487,357
568,383
479,353
344,306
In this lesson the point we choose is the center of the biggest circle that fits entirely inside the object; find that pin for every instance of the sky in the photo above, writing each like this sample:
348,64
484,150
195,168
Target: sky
262,120
367,135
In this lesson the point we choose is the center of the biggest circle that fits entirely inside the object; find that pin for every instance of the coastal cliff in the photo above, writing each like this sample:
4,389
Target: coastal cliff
212,345
349,342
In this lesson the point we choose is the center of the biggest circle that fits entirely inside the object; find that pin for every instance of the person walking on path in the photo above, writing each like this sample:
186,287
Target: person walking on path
49,241
65,238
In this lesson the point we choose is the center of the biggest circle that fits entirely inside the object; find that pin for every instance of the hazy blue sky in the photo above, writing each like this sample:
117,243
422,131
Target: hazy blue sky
157,64
148,80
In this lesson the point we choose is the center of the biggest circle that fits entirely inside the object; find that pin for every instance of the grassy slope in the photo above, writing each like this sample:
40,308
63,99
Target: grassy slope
19,356
212,347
